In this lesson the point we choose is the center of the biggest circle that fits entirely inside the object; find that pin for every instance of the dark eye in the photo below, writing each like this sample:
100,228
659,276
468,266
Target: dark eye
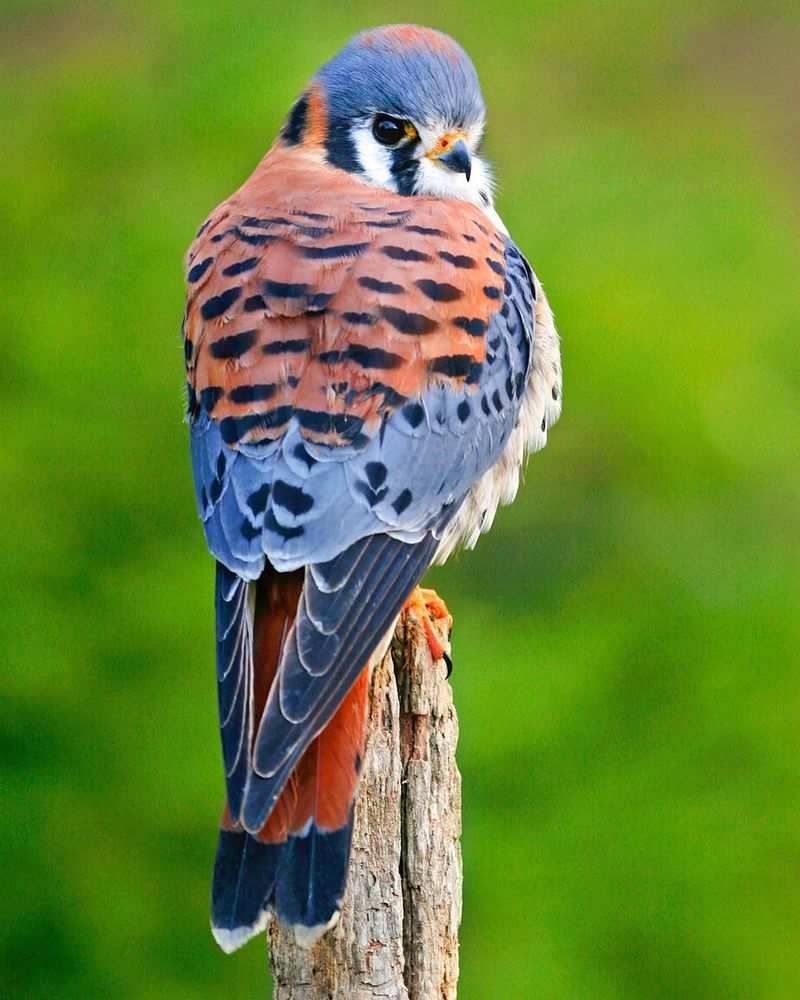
389,131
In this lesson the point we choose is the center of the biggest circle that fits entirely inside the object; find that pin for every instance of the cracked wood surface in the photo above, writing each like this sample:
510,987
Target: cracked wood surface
398,935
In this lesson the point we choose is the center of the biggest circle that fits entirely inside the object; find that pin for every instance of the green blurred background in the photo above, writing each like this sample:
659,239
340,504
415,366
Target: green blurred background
626,640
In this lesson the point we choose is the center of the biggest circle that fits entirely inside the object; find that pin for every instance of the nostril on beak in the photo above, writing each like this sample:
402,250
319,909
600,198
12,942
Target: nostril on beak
456,157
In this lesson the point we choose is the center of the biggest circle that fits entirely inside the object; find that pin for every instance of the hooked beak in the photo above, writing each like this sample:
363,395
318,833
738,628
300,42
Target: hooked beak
453,152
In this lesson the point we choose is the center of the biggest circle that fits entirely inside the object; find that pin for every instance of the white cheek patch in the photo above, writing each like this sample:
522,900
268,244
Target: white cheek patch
375,160
438,181
432,179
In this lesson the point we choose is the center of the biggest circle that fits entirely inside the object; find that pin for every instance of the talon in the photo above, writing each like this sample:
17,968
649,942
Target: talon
448,662
429,607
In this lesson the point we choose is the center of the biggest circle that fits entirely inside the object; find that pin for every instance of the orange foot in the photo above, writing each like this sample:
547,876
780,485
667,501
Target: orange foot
429,607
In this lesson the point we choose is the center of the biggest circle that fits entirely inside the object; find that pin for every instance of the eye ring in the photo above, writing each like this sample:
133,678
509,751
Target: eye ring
389,131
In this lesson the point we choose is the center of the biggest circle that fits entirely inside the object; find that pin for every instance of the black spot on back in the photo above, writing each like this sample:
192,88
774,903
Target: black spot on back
373,357
249,531
234,346
209,397
286,289
400,253
233,429
241,266
414,414
414,324
402,501
373,496
253,239
271,524
359,319
301,454
291,498
197,272
374,285
376,474
253,304
438,291
458,260
346,425
314,216
496,266
219,304
344,251
474,327
258,393
318,303
257,501
287,346
426,231
381,223
265,222
452,365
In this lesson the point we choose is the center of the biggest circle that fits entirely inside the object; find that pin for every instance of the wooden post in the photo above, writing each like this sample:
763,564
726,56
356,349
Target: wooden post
398,935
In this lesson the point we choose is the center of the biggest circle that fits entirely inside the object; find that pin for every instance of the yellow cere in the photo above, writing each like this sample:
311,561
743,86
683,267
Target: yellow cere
447,141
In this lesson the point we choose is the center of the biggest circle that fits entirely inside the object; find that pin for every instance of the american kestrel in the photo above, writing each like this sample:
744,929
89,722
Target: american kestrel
368,359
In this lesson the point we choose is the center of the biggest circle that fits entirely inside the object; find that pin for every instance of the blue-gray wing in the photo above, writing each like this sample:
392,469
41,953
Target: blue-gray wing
301,502
364,517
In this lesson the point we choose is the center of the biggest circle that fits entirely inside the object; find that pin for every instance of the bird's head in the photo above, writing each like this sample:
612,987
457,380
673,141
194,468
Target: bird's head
400,107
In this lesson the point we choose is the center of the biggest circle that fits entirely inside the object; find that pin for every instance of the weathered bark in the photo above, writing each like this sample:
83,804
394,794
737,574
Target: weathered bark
398,935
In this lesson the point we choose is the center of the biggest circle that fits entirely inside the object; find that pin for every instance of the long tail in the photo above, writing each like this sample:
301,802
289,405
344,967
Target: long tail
296,864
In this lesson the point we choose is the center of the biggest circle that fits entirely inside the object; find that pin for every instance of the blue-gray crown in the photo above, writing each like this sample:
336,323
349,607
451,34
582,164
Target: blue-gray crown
404,70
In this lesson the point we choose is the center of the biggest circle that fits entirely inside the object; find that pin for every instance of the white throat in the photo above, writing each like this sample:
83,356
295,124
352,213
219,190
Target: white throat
439,181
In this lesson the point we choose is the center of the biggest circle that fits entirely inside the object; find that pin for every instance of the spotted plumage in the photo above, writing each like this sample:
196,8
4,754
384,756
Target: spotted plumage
341,318
368,359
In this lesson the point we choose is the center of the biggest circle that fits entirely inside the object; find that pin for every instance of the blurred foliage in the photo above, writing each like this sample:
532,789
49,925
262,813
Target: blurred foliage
626,640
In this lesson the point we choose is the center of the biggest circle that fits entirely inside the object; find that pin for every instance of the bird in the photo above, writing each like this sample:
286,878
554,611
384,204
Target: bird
369,357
